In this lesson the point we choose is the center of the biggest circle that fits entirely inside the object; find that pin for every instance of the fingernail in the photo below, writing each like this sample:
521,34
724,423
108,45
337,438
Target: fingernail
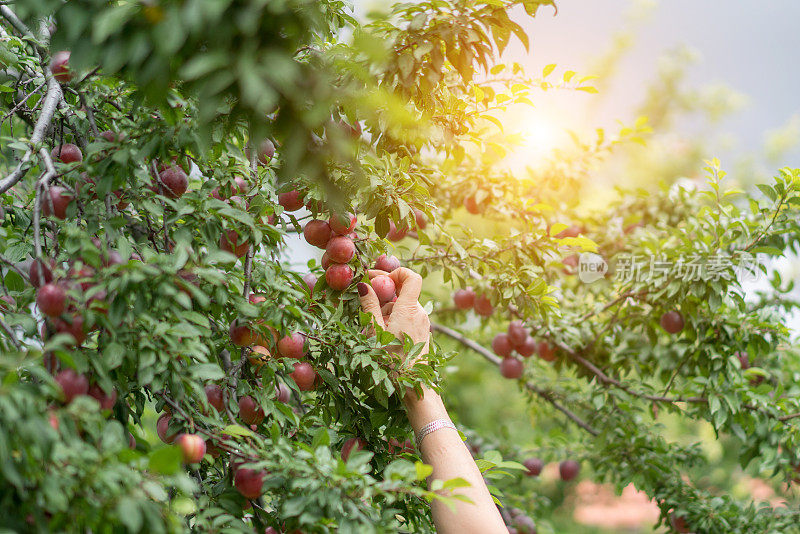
362,289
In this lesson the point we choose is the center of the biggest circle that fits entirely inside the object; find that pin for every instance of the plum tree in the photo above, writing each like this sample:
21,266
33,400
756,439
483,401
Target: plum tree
126,192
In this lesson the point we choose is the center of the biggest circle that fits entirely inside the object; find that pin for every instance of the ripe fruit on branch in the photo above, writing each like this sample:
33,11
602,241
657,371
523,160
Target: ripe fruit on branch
672,322
395,233
67,153
325,261
56,201
387,263
174,181
421,220
259,356
192,446
384,287
106,400
241,334
341,249
51,299
679,524
283,393
527,349
501,345
72,384
472,205
229,241
517,333
511,367
339,276
744,360
265,151
304,376
249,411
292,200
59,66
214,395
534,466
239,187
317,233
571,231
546,352
72,326
569,469
464,299
162,428
109,136
342,224
352,445
249,482
311,280
292,346
483,306
41,270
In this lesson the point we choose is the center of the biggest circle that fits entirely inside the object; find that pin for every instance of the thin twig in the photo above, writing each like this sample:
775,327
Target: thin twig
51,100
487,354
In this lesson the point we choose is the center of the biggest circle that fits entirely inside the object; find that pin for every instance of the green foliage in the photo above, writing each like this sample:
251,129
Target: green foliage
198,84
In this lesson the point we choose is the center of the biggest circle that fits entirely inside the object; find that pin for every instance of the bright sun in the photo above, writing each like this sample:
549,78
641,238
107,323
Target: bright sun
537,134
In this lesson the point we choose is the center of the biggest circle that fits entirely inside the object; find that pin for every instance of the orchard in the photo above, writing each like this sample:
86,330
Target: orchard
165,368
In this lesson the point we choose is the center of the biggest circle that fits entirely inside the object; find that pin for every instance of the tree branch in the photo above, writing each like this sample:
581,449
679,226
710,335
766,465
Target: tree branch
488,355
51,100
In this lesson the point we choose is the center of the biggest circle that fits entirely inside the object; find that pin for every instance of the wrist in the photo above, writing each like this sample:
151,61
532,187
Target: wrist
423,409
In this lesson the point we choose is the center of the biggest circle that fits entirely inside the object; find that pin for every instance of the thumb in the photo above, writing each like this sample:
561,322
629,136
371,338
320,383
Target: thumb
370,303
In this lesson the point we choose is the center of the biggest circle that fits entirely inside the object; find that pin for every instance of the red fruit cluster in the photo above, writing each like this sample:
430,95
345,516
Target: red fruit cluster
333,236
465,299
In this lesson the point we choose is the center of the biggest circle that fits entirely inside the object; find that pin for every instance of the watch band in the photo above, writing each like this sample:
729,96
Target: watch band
431,427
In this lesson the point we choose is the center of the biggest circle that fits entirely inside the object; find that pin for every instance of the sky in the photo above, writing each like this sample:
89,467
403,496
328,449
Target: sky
750,46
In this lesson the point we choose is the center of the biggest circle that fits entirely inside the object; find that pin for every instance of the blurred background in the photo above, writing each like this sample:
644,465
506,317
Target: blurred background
715,79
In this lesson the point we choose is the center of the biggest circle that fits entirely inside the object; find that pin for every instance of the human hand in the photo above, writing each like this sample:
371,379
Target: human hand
404,316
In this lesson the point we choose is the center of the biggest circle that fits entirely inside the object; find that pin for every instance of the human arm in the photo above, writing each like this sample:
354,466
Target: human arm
443,449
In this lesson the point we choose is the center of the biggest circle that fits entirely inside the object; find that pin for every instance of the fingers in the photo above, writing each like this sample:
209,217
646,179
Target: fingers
386,309
370,303
409,286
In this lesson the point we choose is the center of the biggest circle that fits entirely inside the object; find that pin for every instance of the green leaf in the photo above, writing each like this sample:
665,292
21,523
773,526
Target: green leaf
165,460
